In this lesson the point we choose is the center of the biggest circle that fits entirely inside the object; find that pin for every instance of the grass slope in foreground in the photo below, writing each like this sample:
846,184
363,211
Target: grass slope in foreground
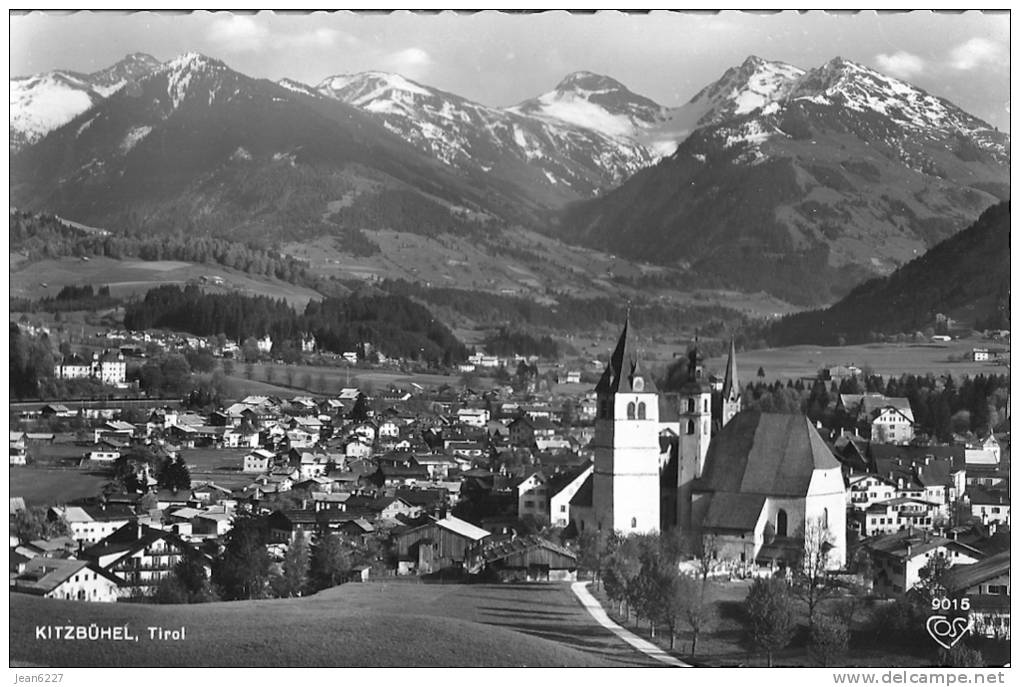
374,624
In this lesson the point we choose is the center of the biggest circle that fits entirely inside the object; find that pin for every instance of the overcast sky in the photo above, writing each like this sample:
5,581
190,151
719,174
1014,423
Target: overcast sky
501,59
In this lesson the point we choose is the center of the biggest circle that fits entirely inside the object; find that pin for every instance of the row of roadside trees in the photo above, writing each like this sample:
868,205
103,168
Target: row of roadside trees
664,581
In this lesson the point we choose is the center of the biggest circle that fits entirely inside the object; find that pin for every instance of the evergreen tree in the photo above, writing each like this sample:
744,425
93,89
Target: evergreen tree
330,560
242,570
295,565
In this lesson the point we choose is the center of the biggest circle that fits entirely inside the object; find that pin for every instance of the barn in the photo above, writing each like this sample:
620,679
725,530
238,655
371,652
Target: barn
529,559
428,545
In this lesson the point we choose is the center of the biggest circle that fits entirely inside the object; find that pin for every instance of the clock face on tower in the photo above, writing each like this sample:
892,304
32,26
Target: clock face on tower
638,384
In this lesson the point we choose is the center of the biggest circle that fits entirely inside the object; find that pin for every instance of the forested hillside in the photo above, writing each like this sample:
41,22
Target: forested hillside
969,272
394,325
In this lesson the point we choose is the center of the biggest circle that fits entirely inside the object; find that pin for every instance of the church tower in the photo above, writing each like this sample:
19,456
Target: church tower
695,410
731,388
625,481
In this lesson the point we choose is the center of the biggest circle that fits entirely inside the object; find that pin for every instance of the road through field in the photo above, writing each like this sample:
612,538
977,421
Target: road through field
596,611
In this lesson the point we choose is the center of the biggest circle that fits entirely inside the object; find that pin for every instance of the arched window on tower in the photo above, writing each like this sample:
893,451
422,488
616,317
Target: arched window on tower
690,405
781,523
690,426
641,410
706,406
633,523
825,518
630,410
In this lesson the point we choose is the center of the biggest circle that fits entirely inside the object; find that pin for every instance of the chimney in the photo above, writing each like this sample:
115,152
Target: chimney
908,550
899,482
920,470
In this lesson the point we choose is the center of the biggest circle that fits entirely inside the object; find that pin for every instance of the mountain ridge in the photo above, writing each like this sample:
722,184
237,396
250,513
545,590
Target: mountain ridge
969,272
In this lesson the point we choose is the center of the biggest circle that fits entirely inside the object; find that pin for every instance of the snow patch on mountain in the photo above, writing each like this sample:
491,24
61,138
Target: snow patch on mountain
297,87
574,108
40,104
187,71
133,136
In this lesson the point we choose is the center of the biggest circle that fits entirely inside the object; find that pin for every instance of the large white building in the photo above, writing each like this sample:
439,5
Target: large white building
623,491
109,368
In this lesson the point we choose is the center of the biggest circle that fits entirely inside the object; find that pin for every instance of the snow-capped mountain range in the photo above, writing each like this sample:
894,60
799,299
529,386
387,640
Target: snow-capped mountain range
839,161
567,158
41,103
823,176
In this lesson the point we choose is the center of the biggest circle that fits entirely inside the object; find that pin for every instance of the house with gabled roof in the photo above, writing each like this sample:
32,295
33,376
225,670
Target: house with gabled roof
139,555
899,557
67,578
89,524
258,461
19,449
888,419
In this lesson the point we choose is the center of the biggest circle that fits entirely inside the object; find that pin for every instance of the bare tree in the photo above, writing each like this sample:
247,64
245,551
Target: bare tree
812,582
694,606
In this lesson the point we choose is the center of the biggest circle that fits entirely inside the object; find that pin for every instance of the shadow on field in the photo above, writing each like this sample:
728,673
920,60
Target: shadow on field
556,626
516,612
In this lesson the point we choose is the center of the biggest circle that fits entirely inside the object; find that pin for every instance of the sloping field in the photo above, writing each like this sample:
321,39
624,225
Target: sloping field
135,277
882,358
356,625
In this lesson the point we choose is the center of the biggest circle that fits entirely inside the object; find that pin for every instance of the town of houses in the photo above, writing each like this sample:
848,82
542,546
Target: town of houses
505,482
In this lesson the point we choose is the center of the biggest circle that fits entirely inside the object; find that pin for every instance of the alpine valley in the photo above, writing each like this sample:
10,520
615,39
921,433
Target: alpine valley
799,184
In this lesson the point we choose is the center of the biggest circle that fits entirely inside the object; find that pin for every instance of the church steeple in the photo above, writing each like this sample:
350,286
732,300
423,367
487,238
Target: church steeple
625,474
623,373
731,387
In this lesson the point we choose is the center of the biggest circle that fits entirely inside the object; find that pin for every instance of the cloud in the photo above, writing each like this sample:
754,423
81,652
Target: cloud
237,33
976,52
900,64
318,38
412,62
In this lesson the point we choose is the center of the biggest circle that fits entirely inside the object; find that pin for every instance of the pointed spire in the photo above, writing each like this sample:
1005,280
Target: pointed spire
623,366
731,385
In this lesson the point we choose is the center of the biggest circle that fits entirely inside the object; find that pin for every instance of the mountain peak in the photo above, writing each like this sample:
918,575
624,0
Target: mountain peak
373,90
192,61
142,57
589,81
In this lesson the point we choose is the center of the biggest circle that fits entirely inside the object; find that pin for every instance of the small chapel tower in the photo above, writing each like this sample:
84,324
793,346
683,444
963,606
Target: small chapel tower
731,388
695,411
625,486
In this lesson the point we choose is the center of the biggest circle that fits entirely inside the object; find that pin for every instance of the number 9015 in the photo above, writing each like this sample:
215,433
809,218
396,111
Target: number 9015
944,604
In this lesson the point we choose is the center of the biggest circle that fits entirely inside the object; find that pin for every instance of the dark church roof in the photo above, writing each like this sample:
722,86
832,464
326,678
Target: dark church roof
623,368
583,497
763,453
730,511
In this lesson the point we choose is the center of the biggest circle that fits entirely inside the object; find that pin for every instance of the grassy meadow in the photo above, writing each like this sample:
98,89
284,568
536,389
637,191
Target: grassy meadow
378,624
135,277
